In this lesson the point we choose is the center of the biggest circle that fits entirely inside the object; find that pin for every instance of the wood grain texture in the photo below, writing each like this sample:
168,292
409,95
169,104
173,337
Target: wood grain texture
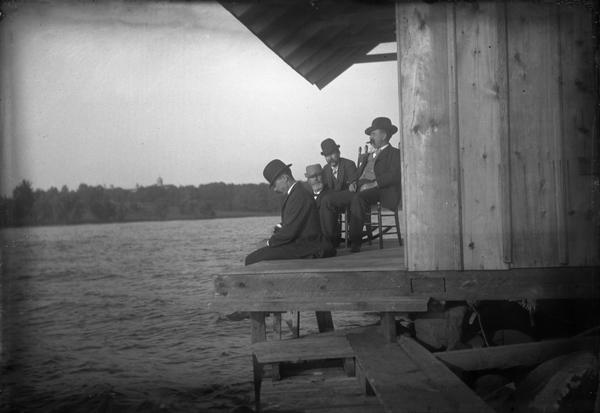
482,98
439,374
317,348
307,303
429,155
535,127
407,378
397,290
504,357
578,110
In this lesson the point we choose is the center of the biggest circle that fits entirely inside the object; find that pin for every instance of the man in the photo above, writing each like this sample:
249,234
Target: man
385,187
338,172
315,182
299,234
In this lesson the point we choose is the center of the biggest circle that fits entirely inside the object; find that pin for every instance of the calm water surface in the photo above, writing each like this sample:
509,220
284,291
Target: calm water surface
119,310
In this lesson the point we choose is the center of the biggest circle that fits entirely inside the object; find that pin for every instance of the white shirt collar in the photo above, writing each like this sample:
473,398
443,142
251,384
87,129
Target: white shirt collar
380,149
293,185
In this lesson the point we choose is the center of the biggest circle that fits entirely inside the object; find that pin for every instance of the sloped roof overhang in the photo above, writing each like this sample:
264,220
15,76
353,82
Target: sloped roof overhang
319,39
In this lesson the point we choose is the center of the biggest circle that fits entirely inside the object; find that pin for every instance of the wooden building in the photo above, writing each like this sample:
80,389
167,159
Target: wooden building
499,142
497,119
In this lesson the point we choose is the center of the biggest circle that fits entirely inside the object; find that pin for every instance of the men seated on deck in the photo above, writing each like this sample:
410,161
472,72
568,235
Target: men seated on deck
314,176
383,186
299,234
338,172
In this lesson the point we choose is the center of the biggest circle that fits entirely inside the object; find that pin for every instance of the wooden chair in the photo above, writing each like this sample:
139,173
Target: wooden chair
344,227
383,229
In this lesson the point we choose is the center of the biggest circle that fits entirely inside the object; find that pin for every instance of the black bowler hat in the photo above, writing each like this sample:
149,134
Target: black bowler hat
328,147
382,123
274,169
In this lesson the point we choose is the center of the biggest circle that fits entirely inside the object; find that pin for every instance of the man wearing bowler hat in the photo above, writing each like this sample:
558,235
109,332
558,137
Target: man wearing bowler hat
338,172
314,177
299,234
385,163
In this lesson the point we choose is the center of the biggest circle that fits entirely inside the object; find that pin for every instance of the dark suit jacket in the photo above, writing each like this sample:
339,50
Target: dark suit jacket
299,220
388,175
346,174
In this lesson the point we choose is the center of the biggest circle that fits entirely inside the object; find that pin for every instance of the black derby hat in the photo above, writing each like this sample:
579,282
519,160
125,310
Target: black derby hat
382,123
328,146
274,169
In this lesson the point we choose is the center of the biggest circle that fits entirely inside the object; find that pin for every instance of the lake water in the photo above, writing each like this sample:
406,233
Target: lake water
113,317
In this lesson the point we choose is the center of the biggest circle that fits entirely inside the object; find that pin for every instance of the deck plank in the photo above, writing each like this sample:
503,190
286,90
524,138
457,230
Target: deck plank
348,303
404,384
313,282
296,350
385,259
443,378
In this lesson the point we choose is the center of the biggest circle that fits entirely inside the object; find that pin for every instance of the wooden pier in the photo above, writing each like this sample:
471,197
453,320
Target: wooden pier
377,370
498,137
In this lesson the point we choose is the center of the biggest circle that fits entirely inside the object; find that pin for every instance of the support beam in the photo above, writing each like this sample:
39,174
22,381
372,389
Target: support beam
388,327
526,354
259,330
381,57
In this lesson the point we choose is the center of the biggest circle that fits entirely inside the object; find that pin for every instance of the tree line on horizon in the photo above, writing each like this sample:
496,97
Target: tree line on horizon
98,204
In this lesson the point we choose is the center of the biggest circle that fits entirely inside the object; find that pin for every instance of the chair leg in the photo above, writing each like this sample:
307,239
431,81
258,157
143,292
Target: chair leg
369,227
398,227
379,224
346,229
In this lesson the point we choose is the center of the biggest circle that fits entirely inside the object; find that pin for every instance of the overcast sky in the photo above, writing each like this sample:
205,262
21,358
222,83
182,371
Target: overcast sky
122,93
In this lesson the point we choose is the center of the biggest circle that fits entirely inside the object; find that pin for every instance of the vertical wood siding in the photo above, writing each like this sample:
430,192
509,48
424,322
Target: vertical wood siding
578,109
481,83
496,116
430,156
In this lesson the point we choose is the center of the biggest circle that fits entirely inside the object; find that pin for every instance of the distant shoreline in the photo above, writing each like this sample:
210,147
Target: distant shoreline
218,215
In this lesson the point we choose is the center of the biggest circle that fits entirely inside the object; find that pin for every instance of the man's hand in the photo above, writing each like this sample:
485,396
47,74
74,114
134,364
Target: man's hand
363,158
261,243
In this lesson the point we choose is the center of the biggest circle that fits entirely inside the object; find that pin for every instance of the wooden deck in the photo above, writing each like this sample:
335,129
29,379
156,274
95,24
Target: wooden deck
376,280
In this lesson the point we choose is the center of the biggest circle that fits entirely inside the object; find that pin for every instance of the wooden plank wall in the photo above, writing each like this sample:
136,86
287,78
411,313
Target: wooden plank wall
578,77
496,118
481,85
430,150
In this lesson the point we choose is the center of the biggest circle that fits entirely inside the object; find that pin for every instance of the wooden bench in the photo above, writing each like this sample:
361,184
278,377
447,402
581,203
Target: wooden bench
296,350
406,377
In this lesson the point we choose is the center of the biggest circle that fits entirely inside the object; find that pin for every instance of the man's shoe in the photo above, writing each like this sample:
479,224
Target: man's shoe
355,248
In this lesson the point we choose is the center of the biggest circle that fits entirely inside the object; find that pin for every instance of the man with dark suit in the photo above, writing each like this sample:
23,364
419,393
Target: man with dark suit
385,164
314,176
299,234
338,172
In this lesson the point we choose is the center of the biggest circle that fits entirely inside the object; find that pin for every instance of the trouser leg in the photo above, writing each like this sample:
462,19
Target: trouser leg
358,208
315,248
283,252
331,205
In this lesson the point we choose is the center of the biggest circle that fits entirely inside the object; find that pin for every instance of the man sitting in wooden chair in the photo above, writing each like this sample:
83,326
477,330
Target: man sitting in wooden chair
338,172
385,163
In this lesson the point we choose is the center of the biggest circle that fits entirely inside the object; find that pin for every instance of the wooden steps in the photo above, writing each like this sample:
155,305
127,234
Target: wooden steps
324,347
408,378
302,349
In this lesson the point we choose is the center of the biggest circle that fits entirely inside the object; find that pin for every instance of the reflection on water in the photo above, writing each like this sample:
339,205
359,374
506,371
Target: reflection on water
118,311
